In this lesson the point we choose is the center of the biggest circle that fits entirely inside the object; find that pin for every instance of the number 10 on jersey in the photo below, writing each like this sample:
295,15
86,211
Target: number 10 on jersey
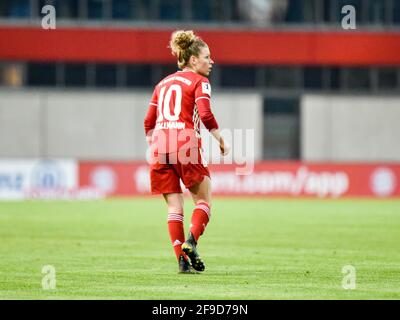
164,99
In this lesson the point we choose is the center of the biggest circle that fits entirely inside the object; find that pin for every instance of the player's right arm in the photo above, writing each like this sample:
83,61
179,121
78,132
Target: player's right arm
151,117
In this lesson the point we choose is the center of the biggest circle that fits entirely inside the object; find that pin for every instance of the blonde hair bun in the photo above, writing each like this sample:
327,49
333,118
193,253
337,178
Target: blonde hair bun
184,44
182,40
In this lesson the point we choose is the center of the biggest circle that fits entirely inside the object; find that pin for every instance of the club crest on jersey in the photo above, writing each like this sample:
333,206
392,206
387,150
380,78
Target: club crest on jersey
206,88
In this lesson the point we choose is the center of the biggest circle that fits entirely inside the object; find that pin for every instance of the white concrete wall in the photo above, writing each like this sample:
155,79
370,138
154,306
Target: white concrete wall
95,125
99,125
238,112
20,124
350,128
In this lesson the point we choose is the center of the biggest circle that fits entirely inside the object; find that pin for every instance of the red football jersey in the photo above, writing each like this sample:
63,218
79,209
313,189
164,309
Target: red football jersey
178,104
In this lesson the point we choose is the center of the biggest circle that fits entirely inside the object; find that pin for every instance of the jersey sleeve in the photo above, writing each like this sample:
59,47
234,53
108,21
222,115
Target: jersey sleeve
151,116
203,102
203,89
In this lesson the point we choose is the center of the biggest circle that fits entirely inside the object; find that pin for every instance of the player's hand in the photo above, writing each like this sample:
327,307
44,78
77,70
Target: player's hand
224,148
148,139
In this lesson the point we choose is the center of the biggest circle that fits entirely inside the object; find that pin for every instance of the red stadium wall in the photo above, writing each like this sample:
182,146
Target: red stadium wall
269,179
228,47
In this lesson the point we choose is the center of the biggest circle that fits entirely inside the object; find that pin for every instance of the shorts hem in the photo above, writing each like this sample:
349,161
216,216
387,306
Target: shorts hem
197,181
165,192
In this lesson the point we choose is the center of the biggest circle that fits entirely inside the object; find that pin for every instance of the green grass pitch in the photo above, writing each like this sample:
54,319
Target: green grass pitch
253,249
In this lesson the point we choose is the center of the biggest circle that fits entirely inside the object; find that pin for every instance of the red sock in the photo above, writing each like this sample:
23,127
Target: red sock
201,216
176,232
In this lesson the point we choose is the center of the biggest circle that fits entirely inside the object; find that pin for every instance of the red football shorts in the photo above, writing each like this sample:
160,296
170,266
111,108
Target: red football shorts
186,165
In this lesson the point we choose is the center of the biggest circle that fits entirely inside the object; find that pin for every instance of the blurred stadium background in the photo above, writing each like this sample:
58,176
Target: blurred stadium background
323,101
311,91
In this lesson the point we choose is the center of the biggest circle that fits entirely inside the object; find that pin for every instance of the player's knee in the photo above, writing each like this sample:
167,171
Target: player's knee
175,209
203,201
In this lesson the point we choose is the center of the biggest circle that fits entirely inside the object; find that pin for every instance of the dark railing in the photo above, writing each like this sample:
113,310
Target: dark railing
272,78
264,13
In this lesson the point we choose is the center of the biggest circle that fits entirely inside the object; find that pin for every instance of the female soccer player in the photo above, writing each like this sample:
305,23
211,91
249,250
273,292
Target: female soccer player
172,127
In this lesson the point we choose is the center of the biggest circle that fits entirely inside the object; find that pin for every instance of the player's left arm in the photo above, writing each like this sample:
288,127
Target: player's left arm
203,102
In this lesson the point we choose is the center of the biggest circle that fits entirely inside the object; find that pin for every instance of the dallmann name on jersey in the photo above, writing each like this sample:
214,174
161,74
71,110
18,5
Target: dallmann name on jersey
170,125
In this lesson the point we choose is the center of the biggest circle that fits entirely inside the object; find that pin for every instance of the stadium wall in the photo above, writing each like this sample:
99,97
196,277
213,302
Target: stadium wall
350,128
148,45
96,125
100,125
